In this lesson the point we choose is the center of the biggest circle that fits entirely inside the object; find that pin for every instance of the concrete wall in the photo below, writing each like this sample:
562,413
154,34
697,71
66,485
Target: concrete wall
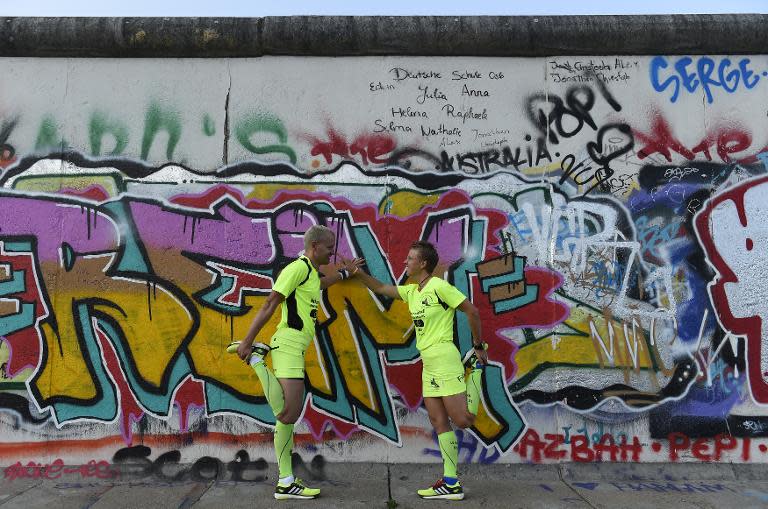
604,212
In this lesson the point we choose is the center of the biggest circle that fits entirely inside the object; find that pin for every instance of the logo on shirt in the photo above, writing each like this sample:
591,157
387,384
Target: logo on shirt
313,312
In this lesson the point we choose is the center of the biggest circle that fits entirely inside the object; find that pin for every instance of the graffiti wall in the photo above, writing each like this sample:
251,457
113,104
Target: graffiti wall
605,214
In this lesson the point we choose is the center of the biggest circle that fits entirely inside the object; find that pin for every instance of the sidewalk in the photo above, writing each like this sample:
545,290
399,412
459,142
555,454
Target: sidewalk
368,485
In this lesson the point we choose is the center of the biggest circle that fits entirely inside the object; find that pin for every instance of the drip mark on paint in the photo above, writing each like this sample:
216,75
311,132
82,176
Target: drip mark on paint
149,300
194,226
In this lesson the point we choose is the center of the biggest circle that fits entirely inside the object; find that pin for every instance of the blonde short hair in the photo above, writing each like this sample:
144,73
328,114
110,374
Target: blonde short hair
317,233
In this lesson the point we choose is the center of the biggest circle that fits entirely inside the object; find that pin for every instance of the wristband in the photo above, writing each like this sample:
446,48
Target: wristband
344,273
480,347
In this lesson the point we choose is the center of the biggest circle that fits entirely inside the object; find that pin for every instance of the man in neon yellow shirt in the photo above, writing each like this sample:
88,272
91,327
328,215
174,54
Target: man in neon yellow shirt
447,394
297,292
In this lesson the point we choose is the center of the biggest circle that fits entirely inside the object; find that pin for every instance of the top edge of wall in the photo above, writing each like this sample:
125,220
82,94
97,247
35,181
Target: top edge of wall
499,36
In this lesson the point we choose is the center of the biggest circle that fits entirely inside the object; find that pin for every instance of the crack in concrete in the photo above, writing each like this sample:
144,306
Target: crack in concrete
560,475
225,154
391,503
20,493
195,494
96,497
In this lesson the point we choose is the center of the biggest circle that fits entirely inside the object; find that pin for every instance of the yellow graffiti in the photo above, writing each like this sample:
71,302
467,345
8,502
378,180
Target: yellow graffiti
388,328
542,171
152,322
596,340
46,184
406,203
267,191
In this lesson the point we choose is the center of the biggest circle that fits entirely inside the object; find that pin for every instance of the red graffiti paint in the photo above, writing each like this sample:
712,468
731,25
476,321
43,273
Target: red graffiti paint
129,410
408,383
24,344
371,148
92,192
319,424
189,395
724,140
749,326
33,470
580,449
242,280
704,448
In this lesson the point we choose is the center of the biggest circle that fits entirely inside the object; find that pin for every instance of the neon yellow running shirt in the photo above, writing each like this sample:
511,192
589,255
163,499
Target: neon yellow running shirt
299,283
432,310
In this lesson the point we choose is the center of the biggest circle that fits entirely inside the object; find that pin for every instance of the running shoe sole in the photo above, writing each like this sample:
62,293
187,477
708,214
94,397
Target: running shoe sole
286,496
449,496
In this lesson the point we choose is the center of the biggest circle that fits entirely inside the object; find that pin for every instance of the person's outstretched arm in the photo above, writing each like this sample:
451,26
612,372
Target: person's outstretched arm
371,282
332,276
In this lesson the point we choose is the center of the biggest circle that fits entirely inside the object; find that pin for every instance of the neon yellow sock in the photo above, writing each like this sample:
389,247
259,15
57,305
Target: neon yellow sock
449,449
272,388
474,387
284,448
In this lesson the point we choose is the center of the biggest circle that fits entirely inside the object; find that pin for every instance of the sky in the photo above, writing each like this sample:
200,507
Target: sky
255,8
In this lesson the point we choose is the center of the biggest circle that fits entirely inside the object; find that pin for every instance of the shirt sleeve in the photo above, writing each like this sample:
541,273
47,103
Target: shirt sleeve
290,277
405,291
450,294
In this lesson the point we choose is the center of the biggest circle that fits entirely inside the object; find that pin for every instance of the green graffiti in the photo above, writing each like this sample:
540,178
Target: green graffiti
261,122
48,134
159,119
209,127
100,125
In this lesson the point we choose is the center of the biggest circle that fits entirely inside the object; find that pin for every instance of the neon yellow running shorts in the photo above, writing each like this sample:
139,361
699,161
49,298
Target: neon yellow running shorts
288,353
442,373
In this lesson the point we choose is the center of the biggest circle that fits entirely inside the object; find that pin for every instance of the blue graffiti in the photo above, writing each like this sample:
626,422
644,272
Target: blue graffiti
470,449
691,311
521,223
704,73
619,437
716,400
673,196
607,276
652,235
763,158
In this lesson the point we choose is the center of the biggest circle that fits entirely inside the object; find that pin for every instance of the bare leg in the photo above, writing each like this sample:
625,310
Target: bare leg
293,392
446,438
456,406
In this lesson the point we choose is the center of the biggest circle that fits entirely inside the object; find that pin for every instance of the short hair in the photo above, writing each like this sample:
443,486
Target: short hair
427,252
317,233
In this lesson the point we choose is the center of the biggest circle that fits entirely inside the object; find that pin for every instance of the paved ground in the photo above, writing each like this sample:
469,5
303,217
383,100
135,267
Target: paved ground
371,486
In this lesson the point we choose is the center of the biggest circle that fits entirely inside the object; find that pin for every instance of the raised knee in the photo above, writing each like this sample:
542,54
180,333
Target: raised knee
465,421
288,417
438,423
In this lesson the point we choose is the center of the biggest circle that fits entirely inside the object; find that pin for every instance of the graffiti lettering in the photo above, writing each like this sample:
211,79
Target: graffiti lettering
729,76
